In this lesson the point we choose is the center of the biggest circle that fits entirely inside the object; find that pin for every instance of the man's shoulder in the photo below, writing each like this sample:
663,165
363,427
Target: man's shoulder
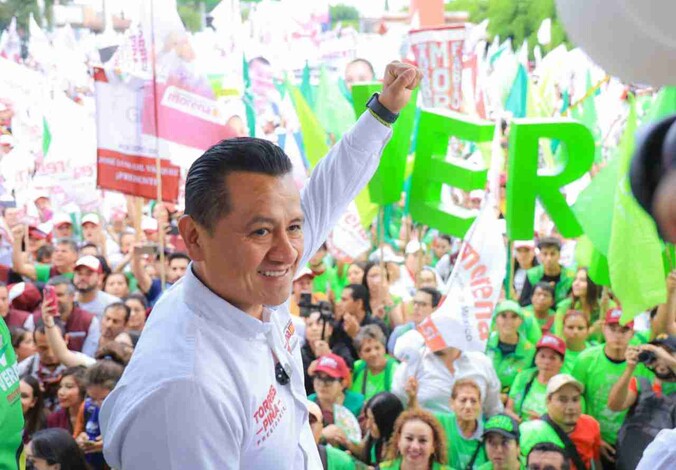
107,298
590,354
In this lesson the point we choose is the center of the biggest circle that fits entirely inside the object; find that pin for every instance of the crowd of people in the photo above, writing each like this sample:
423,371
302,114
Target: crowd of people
562,383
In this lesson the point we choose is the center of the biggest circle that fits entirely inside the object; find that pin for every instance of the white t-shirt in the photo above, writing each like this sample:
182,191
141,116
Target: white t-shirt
99,304
200,390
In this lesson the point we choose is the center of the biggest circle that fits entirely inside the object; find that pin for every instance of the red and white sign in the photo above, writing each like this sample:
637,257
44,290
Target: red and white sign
438,55
463,320
348,240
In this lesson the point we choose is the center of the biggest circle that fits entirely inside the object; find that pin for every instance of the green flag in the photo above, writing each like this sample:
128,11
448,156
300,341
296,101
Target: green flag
306,87
248,98
334,112
518,96
46,137
664,104
634,250
314,136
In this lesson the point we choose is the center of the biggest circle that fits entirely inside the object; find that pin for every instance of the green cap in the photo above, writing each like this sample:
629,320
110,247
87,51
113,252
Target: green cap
502,424
509,306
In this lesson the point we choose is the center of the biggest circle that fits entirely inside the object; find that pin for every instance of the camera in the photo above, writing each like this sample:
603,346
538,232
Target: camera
646,357
306,307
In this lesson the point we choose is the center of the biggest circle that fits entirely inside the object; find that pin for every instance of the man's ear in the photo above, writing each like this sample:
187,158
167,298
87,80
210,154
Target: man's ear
193,236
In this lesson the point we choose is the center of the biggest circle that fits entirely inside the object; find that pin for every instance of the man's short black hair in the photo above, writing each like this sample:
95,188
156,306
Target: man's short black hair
359,292
545,286
435,294
40,326
549,447
45,252
206,194
121,306
549,242
177,255
447,238
70,242
62,281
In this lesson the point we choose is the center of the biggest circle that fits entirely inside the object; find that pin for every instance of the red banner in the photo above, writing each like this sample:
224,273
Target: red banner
438,55
136,175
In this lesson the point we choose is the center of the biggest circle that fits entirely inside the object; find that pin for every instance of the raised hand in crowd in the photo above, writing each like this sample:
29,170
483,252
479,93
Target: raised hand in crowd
350,325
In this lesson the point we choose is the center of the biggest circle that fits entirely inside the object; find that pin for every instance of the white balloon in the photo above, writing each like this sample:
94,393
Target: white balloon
631,39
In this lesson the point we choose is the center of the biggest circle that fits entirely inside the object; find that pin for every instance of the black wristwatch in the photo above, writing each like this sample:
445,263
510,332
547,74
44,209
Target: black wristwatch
381,111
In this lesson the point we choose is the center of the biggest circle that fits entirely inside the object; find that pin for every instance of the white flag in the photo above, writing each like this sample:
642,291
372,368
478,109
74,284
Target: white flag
463,320
545,32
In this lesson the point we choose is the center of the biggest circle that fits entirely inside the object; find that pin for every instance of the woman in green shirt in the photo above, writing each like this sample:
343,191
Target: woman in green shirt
418,443
527,397
384,305
374,371
575,333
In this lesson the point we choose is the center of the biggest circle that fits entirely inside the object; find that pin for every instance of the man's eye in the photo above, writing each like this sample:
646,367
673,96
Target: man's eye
296,228
261,232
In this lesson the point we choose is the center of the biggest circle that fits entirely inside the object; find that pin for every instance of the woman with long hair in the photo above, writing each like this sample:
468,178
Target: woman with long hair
383,304
417,443
33,406
54,449
138,305
585,297
23,343
71,395
381,412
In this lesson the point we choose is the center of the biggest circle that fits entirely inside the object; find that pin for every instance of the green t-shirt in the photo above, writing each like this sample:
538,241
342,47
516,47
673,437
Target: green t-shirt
508,366
396,465
489,465
534,432
325,281
571,359
534,400
42,272
353,401
540,322
11,415
339,460
461,449
598,374
375,383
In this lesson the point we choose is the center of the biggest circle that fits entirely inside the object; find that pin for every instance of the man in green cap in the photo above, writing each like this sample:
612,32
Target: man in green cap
509,349
11,416
501,440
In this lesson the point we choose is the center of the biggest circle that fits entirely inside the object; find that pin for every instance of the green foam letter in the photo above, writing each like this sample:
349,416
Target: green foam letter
525,182
431,170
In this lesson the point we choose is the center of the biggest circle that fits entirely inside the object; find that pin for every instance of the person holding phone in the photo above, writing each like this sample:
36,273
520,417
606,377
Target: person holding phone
151,287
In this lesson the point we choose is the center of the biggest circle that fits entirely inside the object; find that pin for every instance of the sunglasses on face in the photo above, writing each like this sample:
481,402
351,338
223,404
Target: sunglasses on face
326,380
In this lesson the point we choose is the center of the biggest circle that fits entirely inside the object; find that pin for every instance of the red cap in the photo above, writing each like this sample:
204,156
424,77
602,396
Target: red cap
552,342
613,316
332,365
34,232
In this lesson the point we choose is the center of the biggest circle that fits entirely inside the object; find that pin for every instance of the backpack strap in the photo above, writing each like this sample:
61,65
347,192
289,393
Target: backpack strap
475,454
323,457
526,390
570,449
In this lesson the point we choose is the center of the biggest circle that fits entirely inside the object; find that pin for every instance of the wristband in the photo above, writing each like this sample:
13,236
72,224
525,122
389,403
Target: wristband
381,111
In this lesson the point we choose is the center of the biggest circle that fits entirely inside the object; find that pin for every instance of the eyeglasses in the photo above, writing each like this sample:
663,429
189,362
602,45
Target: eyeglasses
325,379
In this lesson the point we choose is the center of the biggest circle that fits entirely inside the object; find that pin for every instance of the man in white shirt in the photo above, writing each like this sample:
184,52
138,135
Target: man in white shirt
436,372
216,381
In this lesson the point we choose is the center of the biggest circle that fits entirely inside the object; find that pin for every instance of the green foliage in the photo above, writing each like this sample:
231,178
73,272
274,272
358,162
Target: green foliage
191,16
21,9
515,19
344,14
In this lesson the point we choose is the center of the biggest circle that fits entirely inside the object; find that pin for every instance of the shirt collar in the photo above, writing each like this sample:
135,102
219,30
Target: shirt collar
218,311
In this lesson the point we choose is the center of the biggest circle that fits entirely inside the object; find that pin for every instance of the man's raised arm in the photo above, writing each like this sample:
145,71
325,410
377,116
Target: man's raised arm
351,163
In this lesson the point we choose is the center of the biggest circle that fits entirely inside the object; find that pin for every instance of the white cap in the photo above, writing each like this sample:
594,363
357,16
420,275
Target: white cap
60,219
16,291
524,244
91,262
304,271
558,381
148,224
91,219
415,246
41,193
388,255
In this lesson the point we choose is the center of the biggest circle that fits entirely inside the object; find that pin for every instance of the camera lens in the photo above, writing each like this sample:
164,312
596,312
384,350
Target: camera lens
646,357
